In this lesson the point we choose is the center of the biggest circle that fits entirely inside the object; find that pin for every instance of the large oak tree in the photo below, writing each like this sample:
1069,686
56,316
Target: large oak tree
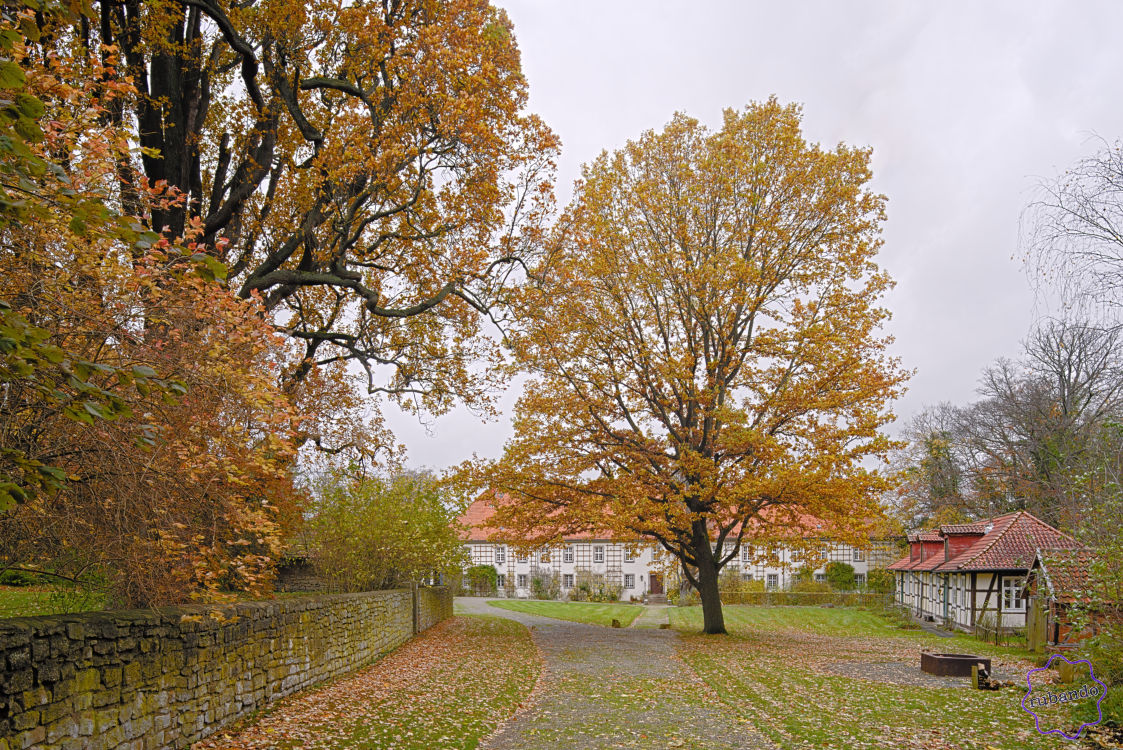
703,339
364,166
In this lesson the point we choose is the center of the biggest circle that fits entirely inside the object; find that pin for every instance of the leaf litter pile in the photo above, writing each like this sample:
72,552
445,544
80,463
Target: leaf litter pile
447,688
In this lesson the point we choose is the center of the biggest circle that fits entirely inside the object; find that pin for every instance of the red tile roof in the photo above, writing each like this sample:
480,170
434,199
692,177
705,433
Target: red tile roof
477,517
1066,573
785,523
1010,544
902,564
978,527
931,563
1007,542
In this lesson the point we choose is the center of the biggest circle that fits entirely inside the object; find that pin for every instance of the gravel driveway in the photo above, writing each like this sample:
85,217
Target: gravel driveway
609,688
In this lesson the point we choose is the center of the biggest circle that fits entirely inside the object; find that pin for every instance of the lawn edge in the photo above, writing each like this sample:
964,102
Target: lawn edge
497,604
535,694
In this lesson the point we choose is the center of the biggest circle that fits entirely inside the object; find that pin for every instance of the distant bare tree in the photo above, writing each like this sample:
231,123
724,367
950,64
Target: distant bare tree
1032,439
1072,233
931,465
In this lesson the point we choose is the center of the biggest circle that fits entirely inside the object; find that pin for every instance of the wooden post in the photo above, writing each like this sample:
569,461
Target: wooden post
974,585
975,676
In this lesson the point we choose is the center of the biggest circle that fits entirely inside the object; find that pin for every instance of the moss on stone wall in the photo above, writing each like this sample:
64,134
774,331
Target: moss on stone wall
169,677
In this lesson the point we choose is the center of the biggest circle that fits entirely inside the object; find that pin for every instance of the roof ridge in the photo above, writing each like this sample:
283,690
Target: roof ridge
1054,529
997,536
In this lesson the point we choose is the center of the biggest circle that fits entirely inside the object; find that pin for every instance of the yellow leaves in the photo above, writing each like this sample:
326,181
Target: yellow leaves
704,335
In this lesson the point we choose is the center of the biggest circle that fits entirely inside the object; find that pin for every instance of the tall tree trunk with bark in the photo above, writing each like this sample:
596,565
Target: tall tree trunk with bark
712,617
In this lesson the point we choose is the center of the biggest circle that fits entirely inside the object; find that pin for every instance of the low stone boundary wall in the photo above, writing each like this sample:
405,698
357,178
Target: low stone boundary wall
434,603
144,679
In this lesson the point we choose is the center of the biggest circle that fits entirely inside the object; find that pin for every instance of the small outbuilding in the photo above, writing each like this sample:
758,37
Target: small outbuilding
1057,585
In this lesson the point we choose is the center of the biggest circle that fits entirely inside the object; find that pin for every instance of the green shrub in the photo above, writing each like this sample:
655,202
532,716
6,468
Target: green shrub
594,587
482,580
805,574
840,576
881,581
1105,652
544,584
370,533
18,578
731,581
684,597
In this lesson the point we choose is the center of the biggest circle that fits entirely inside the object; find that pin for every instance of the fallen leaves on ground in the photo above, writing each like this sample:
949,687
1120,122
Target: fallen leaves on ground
781,679
447,688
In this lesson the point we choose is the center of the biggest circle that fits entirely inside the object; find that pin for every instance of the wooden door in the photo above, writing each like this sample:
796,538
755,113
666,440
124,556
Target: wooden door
1036,622
656,583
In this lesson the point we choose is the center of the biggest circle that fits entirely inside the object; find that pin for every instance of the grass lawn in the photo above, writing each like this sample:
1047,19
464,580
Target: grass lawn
29,601
589,612
451,686
775,669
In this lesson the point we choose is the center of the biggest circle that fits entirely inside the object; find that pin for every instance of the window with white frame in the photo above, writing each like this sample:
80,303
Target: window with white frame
1012,594
820,578
859,555
521,580
544,556
567,581
773,581
500,554
521,557
501,581
629,556
598,553
859,579
629,580
567,554
747,553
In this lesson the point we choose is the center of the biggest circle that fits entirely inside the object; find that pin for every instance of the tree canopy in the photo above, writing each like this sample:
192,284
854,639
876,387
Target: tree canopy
223,227
703,340
367,533
1036,439
364,168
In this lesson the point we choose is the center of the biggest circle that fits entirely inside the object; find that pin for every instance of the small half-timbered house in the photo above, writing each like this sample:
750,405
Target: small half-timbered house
973,574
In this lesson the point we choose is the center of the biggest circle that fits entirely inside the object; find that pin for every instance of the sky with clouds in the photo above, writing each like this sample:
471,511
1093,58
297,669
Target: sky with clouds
967,106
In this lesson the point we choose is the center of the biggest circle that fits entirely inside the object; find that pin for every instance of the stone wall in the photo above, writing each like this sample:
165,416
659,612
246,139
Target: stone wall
434,603
298,576
144,679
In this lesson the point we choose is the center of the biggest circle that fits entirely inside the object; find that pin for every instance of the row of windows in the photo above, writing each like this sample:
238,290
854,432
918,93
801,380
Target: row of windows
748,553
960,586
840,553
522,580
543,556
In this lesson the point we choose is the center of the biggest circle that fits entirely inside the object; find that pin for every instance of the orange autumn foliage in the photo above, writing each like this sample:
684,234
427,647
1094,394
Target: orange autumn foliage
704,347
365,167
185,490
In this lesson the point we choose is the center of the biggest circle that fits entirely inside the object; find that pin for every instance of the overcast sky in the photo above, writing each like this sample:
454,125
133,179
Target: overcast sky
966,106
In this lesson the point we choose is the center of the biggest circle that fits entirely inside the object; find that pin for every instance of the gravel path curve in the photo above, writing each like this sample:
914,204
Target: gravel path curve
615,688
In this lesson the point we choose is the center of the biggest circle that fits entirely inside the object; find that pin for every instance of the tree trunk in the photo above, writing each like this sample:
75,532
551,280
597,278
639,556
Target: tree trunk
713,618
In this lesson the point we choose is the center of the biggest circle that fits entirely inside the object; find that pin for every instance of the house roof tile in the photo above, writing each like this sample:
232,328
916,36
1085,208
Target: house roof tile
902,564
978,527
1066,573
1010,544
